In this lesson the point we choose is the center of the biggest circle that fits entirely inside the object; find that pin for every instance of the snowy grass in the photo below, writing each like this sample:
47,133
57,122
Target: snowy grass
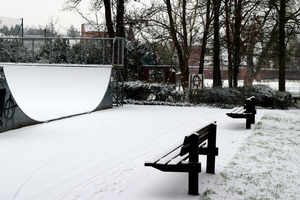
266,165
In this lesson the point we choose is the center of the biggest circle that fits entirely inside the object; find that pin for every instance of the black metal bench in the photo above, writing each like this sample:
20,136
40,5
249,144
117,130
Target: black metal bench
184,157
248,112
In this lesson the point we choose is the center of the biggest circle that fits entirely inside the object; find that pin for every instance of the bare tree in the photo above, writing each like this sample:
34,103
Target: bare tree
114,26
217,82
274,33
182,31
208,20
239,27
282,51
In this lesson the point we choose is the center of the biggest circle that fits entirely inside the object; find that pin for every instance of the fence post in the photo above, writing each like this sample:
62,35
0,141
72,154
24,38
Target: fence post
50,51
32,51
16,49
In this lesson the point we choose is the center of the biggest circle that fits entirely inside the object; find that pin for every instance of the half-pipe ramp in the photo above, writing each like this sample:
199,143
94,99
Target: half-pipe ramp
35,93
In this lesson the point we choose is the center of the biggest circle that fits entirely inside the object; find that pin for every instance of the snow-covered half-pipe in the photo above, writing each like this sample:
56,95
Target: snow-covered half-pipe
34,93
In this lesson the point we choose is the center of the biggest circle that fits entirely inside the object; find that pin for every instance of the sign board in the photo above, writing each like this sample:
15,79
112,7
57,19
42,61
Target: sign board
196,81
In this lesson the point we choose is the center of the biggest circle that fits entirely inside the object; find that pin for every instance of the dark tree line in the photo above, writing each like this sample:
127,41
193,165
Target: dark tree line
12,31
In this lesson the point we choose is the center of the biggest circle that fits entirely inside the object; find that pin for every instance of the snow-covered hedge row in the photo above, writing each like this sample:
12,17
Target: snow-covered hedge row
167,94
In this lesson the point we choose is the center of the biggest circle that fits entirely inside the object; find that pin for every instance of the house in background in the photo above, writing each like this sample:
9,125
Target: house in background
90,31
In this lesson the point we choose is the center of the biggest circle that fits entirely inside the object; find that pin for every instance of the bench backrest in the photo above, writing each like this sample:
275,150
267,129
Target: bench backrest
250,105
191,142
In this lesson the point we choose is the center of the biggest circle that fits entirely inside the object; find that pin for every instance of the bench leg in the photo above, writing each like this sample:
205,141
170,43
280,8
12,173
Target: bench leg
193,183
211,157
253,119
248,122
210,164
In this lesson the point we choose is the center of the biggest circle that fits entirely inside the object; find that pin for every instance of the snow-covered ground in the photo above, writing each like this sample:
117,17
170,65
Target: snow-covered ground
101,156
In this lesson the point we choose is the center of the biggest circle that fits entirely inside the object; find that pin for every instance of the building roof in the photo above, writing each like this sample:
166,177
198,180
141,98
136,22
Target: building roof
90,28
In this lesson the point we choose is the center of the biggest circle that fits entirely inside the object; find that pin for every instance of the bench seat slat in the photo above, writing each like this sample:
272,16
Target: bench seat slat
164,153
238,110
235,109
169,157
178,159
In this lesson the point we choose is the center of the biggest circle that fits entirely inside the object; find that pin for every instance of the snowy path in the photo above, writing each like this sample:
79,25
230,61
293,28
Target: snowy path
101,155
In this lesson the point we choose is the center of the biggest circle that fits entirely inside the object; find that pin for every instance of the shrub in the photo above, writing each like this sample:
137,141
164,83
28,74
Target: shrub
283,100
166,94
265,95
151,92
220,97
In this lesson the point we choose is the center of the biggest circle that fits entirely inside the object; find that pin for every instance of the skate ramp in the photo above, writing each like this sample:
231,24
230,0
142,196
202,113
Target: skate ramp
39,93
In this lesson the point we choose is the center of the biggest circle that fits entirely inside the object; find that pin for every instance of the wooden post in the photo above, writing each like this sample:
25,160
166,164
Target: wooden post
211,146
193,159
248,121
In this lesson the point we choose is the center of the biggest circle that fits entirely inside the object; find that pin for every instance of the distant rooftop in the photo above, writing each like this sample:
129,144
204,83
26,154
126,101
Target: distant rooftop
91,28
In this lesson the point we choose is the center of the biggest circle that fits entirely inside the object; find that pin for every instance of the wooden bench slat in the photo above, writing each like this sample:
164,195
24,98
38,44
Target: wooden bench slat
178,159
164,153
235,109
168,157
238,111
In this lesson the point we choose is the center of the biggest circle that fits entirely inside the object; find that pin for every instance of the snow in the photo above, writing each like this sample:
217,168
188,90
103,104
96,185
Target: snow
101,155
73,90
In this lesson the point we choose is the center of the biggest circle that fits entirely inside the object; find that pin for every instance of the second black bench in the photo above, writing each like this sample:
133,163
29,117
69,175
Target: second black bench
184,156
248,112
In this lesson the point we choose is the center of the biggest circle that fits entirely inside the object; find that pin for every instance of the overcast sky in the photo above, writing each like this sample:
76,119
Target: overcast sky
38,12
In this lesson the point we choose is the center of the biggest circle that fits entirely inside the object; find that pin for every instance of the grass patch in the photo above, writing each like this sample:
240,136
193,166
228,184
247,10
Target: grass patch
206,194
267,165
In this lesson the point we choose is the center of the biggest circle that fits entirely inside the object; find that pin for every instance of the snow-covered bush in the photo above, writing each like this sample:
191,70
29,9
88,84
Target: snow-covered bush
265,95
221,97
151,92
166,94
283,99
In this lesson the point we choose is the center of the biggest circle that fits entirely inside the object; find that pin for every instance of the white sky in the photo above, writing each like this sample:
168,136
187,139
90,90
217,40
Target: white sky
37,12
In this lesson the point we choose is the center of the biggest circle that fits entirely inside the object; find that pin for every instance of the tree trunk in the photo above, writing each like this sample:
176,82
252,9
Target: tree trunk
217,82
108,19
205,37
249,76
237,42
229,41
120,30
183,66
265,50
282,12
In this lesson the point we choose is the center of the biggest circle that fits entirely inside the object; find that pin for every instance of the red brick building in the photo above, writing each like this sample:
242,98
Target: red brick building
89,31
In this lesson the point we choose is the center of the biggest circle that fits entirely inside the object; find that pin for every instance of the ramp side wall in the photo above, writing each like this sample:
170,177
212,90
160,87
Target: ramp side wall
12,116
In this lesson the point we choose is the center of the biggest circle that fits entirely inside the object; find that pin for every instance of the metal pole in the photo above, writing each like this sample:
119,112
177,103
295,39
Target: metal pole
22,21
16,49
32,51
85,52
50,51
68,51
